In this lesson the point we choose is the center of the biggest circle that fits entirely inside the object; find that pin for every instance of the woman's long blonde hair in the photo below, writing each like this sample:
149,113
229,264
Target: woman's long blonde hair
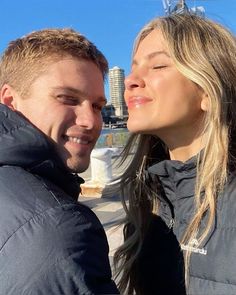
204,52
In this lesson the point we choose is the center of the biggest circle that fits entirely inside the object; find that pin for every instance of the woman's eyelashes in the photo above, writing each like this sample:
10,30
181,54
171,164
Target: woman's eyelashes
158,67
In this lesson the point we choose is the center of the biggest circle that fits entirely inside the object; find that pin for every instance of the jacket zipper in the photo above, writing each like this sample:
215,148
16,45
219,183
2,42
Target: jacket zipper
171,223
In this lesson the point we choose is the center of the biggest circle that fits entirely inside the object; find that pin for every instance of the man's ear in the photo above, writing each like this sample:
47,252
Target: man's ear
7,96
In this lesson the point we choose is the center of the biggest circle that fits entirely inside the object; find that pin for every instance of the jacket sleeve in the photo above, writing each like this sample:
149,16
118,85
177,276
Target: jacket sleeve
85,264
65,251
160,266
81,265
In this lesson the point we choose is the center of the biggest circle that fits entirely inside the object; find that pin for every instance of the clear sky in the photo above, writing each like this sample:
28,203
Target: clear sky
111,24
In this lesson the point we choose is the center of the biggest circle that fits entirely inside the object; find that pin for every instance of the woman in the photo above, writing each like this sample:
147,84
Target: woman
180,184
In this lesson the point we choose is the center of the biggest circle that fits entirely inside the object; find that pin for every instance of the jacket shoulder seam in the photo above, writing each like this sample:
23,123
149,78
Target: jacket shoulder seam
62,206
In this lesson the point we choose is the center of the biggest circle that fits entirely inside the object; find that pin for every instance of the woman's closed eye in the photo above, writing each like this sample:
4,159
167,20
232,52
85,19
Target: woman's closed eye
158,67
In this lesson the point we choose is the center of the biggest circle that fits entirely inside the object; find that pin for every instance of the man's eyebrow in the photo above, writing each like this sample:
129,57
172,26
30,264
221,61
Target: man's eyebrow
69,90
75,91
152,55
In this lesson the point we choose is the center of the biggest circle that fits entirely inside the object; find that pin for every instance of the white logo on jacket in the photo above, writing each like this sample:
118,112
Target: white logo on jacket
193,247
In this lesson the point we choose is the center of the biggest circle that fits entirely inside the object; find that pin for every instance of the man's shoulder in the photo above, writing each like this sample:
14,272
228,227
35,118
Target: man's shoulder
63,246
28,191
30,208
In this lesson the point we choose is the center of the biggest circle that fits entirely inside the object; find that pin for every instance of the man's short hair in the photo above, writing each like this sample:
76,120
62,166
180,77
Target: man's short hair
26,58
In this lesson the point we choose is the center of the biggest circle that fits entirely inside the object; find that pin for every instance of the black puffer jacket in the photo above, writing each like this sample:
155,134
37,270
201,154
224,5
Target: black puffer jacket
49,243
212,267
160,265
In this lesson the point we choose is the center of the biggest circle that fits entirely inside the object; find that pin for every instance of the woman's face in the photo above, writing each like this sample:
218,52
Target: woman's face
161,101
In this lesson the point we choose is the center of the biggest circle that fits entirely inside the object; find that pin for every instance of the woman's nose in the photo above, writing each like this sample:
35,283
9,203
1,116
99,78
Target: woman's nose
133,81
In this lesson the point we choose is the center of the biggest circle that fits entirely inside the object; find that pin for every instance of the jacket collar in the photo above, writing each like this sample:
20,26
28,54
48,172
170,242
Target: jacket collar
177,178
67,181
173,167
23,145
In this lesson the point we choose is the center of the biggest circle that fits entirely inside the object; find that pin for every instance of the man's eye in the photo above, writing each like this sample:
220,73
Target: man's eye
98,107
67,99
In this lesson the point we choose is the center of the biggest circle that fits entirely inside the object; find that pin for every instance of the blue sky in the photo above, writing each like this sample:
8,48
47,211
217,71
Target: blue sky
111,24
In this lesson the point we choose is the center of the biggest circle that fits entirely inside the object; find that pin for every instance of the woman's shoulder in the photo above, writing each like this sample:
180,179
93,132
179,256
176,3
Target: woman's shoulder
226,203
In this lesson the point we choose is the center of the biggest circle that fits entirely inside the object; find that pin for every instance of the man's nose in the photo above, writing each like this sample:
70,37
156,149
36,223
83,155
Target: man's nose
85,116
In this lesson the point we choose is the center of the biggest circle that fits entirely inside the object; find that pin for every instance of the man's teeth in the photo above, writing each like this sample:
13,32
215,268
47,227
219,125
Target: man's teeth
78,140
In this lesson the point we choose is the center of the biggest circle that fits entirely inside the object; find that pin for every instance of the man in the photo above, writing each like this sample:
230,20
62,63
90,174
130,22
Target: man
52,93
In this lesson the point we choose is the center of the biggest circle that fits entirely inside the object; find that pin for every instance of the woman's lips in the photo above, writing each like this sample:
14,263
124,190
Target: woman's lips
137,101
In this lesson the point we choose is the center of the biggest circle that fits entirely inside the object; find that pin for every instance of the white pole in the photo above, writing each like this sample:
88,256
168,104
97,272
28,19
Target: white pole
101,168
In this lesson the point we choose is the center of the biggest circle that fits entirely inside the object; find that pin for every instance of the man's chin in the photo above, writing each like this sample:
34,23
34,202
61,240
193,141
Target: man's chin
77,166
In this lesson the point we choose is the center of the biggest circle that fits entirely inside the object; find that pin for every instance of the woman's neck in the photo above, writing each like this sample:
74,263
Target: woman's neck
184,153
182,150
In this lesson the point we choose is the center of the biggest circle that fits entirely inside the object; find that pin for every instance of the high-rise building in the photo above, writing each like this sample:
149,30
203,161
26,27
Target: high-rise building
180,6
117,87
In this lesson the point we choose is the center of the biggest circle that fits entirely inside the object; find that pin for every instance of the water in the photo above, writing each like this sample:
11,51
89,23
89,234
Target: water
112,137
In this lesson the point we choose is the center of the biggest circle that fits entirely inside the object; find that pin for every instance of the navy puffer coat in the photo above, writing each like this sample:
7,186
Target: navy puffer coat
212,265
49,243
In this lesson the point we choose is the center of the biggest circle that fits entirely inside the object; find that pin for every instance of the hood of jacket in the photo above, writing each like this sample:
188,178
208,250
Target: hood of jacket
23,145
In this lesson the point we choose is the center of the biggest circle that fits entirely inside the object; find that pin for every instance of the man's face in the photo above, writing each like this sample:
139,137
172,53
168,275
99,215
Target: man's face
65,103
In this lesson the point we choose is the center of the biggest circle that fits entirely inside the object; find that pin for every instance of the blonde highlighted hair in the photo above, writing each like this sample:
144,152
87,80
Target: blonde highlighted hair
205,53
26,58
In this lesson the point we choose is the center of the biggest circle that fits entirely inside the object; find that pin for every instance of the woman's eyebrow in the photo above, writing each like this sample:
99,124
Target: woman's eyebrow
152,55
